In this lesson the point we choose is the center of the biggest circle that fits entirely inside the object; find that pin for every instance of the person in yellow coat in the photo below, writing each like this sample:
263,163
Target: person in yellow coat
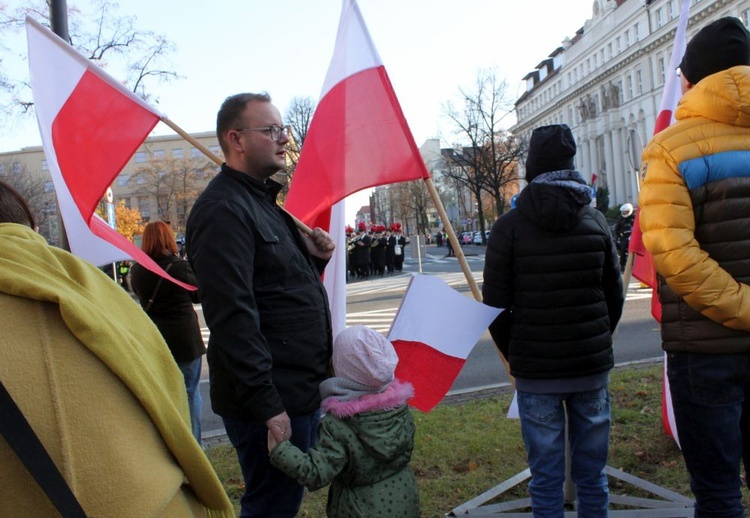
695,218
98,385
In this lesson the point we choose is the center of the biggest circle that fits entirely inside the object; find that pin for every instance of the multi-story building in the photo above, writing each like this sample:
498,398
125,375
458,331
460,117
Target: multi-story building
606,83
162,179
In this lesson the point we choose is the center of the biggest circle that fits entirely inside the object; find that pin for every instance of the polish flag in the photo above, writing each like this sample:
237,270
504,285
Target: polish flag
90,126
432,348
358,138
643,268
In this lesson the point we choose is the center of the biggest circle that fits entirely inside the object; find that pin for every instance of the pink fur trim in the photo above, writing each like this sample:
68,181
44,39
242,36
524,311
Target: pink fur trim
395,395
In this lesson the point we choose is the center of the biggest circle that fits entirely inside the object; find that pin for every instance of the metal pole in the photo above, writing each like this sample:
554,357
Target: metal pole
58,16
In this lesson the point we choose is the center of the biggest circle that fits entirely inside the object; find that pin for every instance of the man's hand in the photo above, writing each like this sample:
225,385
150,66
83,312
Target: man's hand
279,430
320,244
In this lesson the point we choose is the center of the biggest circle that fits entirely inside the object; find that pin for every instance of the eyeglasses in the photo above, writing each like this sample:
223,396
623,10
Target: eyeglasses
275,132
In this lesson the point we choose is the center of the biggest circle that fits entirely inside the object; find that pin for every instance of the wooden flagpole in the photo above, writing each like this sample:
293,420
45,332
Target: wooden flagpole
203,149
453,239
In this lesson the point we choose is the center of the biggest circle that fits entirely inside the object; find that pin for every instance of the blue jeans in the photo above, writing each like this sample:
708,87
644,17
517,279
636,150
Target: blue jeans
543,429
192,373
710,398
268,492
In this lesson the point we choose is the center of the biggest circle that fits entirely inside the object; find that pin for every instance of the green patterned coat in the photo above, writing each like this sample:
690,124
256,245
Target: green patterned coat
363,450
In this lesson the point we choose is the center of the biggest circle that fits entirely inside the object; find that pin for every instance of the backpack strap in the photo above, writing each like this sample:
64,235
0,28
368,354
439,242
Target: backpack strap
29,449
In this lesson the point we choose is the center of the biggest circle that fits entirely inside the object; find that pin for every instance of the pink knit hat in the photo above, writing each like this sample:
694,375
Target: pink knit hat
365,356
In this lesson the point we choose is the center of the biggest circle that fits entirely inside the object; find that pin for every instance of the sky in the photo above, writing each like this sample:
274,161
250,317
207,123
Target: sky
430,48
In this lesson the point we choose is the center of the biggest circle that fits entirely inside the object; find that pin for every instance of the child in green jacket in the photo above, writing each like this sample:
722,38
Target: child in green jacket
365,438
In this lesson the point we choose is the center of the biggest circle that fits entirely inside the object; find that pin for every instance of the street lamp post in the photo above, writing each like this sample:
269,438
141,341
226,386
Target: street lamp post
58,15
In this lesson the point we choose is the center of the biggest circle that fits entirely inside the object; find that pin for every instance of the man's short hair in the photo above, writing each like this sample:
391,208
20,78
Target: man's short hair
230,114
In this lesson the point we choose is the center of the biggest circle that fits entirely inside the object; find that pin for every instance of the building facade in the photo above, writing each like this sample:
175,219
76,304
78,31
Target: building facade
606,83
162,179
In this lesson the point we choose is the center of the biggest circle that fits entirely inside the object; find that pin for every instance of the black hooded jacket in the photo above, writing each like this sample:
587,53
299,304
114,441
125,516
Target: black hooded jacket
552,264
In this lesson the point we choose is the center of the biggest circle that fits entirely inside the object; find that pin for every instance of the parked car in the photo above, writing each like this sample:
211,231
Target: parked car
478,237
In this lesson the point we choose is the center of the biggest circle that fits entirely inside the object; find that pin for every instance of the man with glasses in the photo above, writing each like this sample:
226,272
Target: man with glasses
695,217
263,300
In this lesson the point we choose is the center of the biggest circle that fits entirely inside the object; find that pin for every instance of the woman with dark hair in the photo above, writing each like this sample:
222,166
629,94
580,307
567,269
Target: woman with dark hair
171,309
97,385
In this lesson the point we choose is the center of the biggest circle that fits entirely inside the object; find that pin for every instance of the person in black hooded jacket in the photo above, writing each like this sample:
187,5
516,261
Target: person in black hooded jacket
552,264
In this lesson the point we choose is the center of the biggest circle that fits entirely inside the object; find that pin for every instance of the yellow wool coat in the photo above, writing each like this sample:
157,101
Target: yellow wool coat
695,216
98,385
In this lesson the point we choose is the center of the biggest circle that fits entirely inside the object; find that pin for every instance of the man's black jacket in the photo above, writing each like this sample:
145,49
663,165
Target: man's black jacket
263,301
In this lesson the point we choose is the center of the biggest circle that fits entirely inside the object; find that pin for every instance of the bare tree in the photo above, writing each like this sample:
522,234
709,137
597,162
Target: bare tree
139,58
175,184
298,116
480,166
508,150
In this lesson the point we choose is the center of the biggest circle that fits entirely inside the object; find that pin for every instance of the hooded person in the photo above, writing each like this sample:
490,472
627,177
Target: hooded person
694,199
552,264
365,438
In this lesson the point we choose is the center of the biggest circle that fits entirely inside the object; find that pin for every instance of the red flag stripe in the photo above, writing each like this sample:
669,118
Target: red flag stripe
95,133
358,139
430,372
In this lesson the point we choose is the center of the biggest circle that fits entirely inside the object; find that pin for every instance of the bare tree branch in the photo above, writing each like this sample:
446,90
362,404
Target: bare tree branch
112,41
488,162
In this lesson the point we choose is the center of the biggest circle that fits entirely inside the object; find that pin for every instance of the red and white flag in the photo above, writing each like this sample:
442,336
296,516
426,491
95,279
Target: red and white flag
433,333
643,267
358,138
90,126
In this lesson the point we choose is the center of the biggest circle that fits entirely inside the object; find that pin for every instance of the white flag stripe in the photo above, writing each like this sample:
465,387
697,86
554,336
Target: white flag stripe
430,298
335,274
54,76
354,50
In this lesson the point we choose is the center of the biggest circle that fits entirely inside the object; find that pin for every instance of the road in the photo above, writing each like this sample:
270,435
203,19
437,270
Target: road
374,303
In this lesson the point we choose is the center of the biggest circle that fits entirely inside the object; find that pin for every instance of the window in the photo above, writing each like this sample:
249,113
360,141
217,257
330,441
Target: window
745,17
601,55
123,179
618,45
627,38
670,9
139,157
195,152
216,150
177,153
636,33
140,179
596,60
49,186
16,167
630,86
639,82
158,153
45,166
2,169
609,50
662,71
144,207
659,17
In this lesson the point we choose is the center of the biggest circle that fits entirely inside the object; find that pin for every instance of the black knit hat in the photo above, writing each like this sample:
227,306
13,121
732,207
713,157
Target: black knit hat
551,148
719,45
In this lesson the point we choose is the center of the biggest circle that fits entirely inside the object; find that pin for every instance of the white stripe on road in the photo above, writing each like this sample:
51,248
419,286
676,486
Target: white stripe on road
381,319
